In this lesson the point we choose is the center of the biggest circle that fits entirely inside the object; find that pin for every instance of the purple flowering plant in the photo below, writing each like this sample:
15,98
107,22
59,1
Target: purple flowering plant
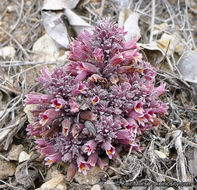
99,103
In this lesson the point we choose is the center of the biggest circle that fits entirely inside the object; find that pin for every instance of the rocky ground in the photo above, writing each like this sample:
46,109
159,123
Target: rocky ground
168,39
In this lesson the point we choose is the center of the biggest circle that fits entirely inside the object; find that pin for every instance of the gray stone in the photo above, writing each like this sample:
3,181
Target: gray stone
56,183
15,152
6,169
28,109
52,172
95,187
138,188
110,172
93,176
109,185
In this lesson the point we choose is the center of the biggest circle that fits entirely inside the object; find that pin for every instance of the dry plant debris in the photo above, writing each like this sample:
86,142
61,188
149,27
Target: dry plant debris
168,31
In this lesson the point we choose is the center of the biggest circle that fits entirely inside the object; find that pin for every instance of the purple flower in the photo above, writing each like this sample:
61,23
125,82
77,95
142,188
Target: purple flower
66,124
90,147
46,76
160,89
67,157
82,70
33,131
139,107
95,100
128,55
101,101
80,88
123,134
37,98
74,107
59,103
82,165
53,158
81,49
92,159
135,114
75,131
72,170
47,150
130,44
98,56
41,142
48,116
101,163
109,149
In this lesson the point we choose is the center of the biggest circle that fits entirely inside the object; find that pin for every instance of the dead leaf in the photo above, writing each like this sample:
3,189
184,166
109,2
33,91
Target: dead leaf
129,20
191,154
160,28
26,174
4,98
55,27
76,21
169,42
83,3
123,3
188,67
160,154
4,133
153,53
59,4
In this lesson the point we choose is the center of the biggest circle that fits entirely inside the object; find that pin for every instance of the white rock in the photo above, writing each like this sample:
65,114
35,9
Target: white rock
95,187
11,8
15,152
7,52
160,154
45,46
23,157
46,49
56,183
131,26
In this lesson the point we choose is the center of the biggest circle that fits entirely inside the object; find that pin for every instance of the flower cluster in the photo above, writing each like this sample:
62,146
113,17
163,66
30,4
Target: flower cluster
97,104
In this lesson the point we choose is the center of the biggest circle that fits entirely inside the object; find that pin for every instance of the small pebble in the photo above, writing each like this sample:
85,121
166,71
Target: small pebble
95,187
15,152
23,157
